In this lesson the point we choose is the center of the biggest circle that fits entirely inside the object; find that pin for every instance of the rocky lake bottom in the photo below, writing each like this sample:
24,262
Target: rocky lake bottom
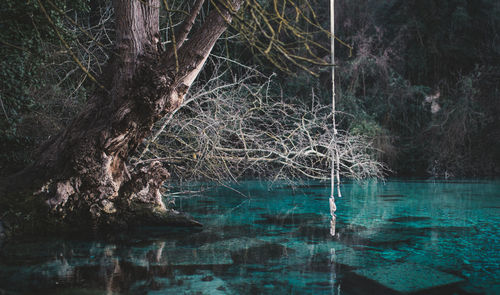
393,237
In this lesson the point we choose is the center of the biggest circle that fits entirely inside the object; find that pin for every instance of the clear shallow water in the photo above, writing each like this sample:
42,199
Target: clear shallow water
396,237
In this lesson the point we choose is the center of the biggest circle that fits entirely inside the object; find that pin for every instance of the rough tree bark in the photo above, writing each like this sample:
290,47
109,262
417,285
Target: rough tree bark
82,173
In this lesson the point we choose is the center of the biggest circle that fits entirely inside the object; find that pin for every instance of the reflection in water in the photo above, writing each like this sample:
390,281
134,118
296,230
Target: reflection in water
439,238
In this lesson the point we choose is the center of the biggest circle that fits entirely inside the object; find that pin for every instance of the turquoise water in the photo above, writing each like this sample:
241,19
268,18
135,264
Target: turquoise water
412,237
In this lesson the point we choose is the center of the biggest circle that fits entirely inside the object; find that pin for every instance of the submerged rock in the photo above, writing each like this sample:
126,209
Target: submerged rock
408,219
292,219
261,254
191,257
391,196
167,217
235,244
396,277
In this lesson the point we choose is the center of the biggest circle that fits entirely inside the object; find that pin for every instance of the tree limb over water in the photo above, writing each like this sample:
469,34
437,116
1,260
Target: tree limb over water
229,130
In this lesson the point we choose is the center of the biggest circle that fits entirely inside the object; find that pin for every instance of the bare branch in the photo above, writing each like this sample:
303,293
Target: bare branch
228,130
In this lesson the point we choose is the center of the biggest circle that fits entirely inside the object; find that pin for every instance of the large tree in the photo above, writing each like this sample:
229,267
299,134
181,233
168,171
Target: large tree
82,173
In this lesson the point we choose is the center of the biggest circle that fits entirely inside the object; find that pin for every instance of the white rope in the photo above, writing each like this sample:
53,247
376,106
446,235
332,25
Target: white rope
335,167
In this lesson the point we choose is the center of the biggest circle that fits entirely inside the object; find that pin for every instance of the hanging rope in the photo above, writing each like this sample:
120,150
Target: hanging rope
335,167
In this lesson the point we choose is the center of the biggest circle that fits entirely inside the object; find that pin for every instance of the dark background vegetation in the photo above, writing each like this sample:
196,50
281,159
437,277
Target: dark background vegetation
422,82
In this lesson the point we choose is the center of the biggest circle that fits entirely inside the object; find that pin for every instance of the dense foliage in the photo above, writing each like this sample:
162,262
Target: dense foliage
422,81
41,86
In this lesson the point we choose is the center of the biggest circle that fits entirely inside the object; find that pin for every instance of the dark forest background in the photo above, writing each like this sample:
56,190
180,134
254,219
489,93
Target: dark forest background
422,82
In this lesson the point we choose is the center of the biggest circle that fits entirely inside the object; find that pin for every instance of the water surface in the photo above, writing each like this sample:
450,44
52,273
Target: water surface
397,237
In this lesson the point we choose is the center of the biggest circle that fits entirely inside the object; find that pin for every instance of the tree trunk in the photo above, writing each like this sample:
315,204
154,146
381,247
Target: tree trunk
82,173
